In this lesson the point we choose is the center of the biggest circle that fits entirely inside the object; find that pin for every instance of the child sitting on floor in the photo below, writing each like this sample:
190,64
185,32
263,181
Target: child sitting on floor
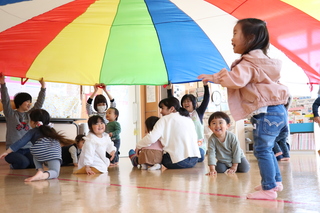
71,153
93,156
151,155
224,152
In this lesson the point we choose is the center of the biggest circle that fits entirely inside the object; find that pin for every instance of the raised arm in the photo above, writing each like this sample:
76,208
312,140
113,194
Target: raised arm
89,101
112,101
169,90
41,96
95,87
204,104
43,83
5,99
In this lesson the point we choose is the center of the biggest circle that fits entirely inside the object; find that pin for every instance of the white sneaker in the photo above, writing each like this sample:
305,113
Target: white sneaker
144,166
155,167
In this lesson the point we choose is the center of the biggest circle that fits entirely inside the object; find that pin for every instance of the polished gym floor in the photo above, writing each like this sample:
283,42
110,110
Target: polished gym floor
128,189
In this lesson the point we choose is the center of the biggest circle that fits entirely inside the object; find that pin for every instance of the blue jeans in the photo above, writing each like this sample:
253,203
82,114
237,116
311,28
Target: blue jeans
280,144
116,156
20,159
186,163
202,153
266,128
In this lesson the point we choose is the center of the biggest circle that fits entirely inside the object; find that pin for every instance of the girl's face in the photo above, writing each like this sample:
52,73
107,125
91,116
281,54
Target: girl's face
164,110
98,128
219,126
187,104
111,115
238,40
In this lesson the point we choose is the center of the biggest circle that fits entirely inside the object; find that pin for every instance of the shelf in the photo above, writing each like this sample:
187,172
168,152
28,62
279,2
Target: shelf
301,127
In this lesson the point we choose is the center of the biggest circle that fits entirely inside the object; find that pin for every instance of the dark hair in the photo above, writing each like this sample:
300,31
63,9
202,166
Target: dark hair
99,99
93,120
116,112
255,33
173,102
192,98
79,138
219,114
21,97
150,122
47,131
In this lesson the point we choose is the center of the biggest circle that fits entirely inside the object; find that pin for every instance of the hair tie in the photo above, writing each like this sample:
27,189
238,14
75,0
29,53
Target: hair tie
39,123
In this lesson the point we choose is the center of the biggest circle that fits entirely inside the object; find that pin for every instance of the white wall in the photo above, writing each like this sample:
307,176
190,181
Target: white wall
126,98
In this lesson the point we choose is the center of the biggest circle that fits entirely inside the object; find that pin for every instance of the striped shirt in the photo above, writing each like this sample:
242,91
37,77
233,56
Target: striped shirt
45,149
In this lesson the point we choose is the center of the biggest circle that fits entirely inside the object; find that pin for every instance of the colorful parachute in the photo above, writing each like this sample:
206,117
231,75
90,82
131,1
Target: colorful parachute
135,42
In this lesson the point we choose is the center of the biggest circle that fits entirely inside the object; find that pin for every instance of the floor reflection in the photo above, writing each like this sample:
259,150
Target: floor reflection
128,189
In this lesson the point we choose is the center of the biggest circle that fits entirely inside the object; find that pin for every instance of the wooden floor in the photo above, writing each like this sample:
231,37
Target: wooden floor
127,189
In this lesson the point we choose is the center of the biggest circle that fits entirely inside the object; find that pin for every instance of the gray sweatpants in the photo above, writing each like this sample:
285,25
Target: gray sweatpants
244,166
53,166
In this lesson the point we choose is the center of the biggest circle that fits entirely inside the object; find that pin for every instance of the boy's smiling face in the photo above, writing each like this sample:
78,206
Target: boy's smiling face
219,126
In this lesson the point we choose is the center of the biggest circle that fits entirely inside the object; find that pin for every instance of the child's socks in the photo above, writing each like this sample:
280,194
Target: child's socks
143,166
133,157
155,167
263,195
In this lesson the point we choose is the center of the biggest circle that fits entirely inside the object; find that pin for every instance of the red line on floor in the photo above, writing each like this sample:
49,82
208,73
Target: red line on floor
170,190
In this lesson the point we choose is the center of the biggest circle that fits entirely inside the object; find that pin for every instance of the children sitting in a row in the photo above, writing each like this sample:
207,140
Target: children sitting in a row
100,135
224,152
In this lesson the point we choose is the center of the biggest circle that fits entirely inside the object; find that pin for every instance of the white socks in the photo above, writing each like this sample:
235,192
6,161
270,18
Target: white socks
156,166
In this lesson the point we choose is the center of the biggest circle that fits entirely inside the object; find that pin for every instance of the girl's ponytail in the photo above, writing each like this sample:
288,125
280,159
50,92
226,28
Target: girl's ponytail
43,118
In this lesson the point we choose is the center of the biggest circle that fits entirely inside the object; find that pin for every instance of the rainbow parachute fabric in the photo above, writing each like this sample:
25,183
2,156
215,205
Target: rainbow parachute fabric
114,42
144,42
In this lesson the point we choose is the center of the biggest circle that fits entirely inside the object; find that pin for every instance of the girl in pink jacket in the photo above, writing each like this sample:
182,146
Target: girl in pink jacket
254,91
